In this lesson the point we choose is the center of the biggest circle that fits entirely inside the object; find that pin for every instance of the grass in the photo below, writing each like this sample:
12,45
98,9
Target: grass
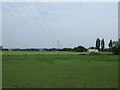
60,71
0,70
48,52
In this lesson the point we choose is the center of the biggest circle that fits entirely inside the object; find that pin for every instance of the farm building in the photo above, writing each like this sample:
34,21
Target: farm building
92,50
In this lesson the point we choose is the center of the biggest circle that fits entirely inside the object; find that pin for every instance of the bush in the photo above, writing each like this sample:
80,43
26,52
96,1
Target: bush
80,49
116,50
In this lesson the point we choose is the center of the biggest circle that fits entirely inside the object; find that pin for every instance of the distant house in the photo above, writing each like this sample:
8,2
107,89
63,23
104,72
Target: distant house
92,50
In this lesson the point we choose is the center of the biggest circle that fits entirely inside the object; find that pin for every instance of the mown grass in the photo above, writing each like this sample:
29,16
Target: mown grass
49,52
60,71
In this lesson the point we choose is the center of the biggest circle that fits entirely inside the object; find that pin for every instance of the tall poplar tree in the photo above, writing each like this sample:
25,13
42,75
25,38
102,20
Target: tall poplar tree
102,44
98,44
110,45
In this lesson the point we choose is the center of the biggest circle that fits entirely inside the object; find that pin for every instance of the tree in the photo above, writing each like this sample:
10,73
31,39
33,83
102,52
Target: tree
98,44
67,49
110,45
80,49
116,47
92,47
102,45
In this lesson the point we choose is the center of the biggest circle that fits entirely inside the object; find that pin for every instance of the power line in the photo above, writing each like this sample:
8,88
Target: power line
13,17
36,24
37,20
47,25
28,28
24,21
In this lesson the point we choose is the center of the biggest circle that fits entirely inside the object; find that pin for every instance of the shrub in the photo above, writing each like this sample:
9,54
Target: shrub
116,49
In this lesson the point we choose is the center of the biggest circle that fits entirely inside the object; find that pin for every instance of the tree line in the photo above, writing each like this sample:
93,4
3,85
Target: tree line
77,49
114,46
101,43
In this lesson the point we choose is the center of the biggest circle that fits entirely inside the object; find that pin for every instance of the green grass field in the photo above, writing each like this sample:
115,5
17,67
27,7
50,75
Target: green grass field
47,52
59,71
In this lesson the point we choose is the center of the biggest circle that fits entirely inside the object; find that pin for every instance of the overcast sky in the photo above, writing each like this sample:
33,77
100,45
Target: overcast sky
0,23
39,24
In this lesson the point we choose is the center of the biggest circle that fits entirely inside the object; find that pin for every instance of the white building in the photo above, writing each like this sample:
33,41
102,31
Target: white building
92,50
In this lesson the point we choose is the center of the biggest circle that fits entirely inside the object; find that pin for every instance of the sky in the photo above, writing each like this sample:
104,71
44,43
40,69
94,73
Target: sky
0,23
44,24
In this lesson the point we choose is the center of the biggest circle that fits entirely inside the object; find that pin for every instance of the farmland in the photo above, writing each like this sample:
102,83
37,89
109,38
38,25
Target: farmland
59,70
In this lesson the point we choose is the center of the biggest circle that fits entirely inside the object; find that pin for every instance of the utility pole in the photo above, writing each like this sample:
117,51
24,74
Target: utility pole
58,45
